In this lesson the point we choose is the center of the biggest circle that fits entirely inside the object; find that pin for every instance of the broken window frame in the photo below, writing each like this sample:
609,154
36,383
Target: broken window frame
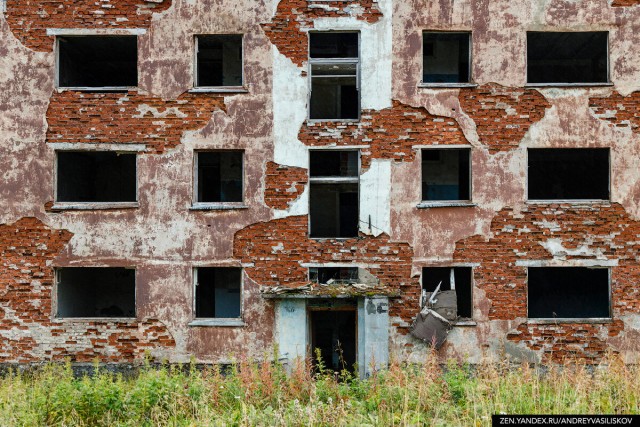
224,89
461,321
62,34
197,205
424,203
57,273
334,181
339,282
567,84
555,320
572,201
216,321
468,83
58,205
335,61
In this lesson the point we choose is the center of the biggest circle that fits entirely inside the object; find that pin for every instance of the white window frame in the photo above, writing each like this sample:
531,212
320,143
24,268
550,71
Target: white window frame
197,205
217,321
427,85
425,204
92,148
218,89
337,61
334,180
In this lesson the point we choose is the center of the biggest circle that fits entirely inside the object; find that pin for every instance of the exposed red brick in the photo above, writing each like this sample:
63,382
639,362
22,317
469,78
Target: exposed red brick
503,115
29,19
567,342
27,330
278,248
620,111
127,117
294,18
625,3
391,133
283,185
606,230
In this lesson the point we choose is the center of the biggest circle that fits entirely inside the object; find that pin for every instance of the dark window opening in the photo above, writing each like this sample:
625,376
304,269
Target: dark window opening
219,60
575,57
96,176
568,293
218,292
219,176
446,174
568,174
333,275
96,292
333,334
333,164
334,210
98,61
445,57
333,45
462,278
334,76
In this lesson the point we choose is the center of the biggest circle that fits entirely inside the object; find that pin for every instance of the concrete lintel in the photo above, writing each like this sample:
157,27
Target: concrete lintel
567,263
217,322
95,31
339,264
90,206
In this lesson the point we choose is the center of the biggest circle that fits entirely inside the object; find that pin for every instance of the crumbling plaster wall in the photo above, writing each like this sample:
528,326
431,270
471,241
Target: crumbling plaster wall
559,117
162,238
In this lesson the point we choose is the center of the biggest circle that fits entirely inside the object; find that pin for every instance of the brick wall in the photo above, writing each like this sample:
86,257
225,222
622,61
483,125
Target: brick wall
625,3
620,111
28,331
29,19
277,249
585,232
391,133
283,185
127,117
502,115
294,18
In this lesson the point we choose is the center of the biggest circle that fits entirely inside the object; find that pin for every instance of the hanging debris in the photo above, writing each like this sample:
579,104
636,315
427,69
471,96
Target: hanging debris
433,323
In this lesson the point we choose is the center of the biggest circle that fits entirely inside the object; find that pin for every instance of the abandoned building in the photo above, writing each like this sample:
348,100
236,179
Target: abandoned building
211,179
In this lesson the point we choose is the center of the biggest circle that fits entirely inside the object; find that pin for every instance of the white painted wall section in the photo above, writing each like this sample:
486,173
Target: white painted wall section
375,198
291,329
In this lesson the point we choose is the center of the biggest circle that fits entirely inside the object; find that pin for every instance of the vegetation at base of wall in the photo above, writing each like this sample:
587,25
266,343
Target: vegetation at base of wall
264,394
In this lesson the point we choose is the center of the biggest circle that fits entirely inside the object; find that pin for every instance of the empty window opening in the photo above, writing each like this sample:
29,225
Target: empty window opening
96,292
98,61
568,293
96,176
451,278
568,174
446,174
334,74
334,275
575,57
218,292
333,335
333,196
219,176
219,60
445,57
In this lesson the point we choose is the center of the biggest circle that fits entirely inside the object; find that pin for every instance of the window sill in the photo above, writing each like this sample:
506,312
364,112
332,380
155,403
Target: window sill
422,85
569,202
592,320
97,319
90,206
220,89
334,238
445,204
320,121
569,85
217,206
464,322
98,89
217,322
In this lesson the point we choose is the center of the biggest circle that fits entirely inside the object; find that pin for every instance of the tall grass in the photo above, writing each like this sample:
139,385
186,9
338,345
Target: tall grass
264,394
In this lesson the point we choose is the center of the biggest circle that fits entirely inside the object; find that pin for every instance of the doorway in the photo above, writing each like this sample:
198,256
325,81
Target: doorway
333,333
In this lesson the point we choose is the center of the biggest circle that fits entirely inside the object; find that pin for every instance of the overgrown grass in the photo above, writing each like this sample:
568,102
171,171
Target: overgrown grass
263,394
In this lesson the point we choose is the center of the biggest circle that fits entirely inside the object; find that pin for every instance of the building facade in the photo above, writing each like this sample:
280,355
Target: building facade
211,179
